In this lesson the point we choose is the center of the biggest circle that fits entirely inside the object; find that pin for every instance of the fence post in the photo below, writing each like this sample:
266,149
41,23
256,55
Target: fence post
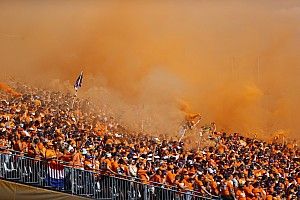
145,192
88,183
72,180
113,187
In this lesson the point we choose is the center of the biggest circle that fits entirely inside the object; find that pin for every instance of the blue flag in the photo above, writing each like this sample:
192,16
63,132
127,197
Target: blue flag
78,82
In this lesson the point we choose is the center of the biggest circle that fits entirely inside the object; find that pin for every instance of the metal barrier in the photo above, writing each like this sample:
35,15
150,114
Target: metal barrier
56,176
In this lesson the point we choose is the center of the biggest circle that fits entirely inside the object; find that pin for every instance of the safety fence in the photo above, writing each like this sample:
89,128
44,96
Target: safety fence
56,176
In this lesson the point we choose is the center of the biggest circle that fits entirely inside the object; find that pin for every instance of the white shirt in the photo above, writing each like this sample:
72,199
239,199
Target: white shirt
132,170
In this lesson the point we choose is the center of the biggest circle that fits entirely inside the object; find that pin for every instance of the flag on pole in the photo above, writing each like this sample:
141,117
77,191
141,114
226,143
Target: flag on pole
78,82
189,124
182,130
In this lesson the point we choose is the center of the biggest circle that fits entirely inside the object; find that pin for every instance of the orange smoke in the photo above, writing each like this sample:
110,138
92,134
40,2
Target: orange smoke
184,106
9,90
186,109
235,62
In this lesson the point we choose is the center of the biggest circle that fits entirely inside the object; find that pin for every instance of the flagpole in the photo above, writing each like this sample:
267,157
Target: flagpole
75,95
182,135
185,129
200,134
77,85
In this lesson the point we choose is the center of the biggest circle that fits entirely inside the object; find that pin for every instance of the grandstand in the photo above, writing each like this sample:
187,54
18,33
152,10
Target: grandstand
55,141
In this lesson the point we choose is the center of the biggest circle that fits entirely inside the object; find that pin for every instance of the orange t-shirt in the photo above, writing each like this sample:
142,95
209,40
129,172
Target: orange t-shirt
77,159
226,190
143,175
248,190
240,195
3,143
114,166
188,185
170,178
214,186
108,163
156,179
87,165
67,158
50,153
269,197
257,191
199,184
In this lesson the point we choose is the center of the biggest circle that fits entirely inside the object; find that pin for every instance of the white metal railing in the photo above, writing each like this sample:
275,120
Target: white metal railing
53,174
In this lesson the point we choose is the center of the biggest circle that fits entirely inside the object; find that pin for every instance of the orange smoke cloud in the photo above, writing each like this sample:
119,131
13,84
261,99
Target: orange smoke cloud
9,90
184,106
236,63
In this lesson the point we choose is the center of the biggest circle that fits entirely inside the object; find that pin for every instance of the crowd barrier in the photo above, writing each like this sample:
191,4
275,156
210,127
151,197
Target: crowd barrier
95,185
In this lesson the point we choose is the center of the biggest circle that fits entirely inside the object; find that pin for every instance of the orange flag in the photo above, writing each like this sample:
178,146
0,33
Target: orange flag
9,90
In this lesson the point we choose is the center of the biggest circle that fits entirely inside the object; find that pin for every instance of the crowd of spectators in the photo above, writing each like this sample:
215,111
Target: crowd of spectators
55,125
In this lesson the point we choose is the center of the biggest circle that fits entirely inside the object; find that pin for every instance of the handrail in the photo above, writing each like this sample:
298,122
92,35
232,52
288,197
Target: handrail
115,175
